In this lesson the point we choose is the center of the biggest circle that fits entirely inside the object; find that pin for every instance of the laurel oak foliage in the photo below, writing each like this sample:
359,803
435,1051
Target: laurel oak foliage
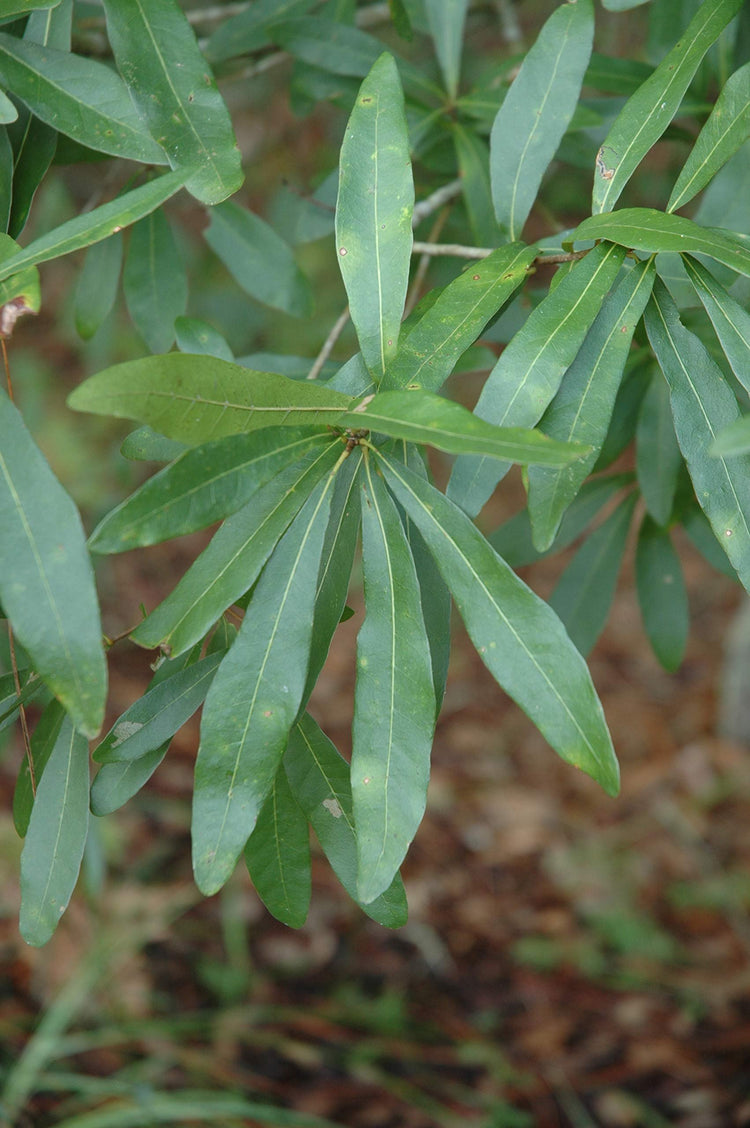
635,347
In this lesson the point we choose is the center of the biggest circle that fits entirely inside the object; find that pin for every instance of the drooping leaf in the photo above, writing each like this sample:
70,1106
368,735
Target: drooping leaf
6,178
586,588
661,594
431,350
582,409
730,321
446,19
97,285
204,484
537,110
529,372
154,281
473,156
79,97
46,581
258,259
117,782
277,855
56,836
196,336
172,86
197,398
646,229
373,214
698,528
248,30
394,700
156,716
233,560
702,405
726,129
518,637
93,226
648,112
319,777
658,458
42,742
255,697
512,540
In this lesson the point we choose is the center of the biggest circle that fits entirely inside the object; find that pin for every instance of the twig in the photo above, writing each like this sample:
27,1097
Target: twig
424,264
328,344
431,203
458,250
265,64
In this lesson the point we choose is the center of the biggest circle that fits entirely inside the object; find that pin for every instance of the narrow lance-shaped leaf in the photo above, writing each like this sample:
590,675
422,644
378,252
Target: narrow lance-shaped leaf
258,259
233,560
702,405
204,484
56,837
97,285
446,20
473,156
658,458
197,398
537,109
421,417
394,700
727,128
528,374
646,229
648,112
586,588
46,581
373,214
730,321
661,594
255,698
277,855
582,409
247,30
319,777
79,97
154,281
42,742
172,86
431,350
518,637
95,225
116,783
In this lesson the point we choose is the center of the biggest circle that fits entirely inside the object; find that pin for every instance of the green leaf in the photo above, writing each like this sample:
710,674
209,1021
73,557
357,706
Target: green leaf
646,229
732,440
336,564
79,97
446,19
258,259
512,540
518,637
698,528
394,700
6,179
529,372
536,112
702,405
46,580
586,588
431,350
147,445
156,716
646,114
119,781
421,417
56,836
730,321
277,855
658,458
233,560
196,336
727,128
172,86
247,31
95,225
204,484
255,698
373,214
197,398
582,409
622,5
661,594
319,778
42,742
154,281
20,293
473,156
97,285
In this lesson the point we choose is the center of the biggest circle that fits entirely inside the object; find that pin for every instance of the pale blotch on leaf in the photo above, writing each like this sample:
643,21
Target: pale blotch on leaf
333,807
124,731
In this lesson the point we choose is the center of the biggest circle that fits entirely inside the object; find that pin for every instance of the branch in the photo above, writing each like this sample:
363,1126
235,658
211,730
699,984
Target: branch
432,203
457,250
